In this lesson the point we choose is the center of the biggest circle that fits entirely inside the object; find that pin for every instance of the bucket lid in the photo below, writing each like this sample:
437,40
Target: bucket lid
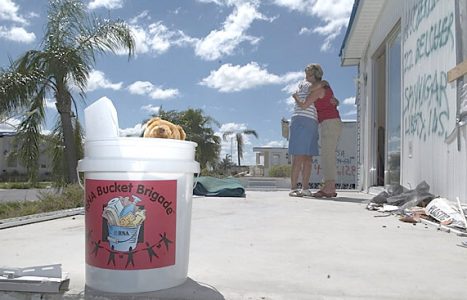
136,148
126,165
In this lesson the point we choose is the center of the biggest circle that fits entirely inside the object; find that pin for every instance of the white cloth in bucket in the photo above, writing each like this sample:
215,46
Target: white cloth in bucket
101,120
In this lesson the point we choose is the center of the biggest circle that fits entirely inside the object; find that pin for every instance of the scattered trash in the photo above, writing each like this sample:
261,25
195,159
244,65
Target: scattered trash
396,195
380,216
441,210
461,211
441,228
388,208
39,279
420,206
410,219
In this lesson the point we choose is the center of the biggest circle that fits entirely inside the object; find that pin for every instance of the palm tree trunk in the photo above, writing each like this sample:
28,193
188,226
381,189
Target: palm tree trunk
238,152
63,104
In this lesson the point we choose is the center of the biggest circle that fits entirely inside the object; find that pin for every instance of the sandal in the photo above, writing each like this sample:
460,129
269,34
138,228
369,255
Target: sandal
321,194
295,193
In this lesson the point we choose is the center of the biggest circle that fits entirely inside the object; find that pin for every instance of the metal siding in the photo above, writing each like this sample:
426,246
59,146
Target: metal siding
429,108
439,163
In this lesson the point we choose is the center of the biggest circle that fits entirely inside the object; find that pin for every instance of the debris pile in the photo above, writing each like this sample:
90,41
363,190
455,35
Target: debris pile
417,205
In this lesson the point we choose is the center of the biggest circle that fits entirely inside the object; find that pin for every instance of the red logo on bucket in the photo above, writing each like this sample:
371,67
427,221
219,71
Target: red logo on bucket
130,225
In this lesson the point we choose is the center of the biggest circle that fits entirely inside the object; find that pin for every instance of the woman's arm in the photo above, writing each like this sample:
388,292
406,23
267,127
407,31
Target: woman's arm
312,97
317,86
297,100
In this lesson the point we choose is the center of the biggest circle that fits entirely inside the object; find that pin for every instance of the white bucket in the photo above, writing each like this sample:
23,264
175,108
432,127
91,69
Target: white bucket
138,194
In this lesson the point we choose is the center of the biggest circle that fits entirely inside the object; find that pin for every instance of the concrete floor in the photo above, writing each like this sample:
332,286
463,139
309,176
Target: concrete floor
271,246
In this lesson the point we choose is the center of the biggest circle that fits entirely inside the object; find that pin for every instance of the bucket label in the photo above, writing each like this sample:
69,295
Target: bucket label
130,225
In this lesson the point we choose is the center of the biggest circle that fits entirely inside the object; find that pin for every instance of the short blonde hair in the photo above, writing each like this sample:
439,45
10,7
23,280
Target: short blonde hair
314,70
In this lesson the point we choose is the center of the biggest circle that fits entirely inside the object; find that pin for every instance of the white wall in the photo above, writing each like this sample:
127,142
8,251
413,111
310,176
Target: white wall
429,101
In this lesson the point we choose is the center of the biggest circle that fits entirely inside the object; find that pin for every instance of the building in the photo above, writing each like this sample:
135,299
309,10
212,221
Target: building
12,169
411,93
346,153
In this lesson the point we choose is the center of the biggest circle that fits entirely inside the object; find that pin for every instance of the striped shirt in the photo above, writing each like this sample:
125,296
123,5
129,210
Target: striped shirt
302,92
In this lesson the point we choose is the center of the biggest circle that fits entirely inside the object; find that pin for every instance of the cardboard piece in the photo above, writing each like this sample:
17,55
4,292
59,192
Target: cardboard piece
37,279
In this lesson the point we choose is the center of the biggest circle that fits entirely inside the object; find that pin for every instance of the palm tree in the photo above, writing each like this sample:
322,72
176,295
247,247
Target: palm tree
197,127
72,40
239,138
226,163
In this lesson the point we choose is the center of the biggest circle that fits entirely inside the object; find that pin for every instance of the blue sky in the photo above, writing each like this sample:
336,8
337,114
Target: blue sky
237,60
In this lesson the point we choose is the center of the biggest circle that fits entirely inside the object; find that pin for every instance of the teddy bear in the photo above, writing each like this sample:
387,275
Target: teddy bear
159,128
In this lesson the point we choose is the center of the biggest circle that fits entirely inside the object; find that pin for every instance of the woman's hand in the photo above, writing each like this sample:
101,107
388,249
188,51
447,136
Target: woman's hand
334,101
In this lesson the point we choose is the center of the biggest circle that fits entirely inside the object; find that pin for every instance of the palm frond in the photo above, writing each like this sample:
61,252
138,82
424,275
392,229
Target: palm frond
226,134
250,132
17,87
64,23
101,36
29,137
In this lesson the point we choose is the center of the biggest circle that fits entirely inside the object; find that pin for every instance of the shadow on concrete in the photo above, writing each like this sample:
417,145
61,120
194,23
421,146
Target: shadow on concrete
190,290
341,199
345,199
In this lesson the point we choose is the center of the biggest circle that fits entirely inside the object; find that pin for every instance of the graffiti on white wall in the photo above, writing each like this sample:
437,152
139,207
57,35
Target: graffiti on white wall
428,44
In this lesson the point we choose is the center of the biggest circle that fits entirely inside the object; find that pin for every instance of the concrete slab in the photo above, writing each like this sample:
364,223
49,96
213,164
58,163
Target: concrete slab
271,246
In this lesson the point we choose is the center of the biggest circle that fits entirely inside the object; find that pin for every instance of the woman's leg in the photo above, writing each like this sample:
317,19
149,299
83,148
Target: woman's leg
306,172
330,132
297,164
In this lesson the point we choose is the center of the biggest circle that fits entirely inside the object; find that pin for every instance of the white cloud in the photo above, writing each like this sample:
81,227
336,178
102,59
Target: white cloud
9,12
157,38
218,2
232,127
151,109
143,15
305,30
97,80
140,87
159,93
219,43
147,88
229,2
229,145
50,104
349,101
334,13
108,4
352,112
17,34
229,78
274,144
132,131
10,124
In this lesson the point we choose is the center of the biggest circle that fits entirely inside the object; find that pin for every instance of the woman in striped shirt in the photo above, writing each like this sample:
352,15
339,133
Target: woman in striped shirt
324,103
303,139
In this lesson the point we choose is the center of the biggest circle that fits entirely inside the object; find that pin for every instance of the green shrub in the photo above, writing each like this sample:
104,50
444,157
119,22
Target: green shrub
24,185
71,196
280,171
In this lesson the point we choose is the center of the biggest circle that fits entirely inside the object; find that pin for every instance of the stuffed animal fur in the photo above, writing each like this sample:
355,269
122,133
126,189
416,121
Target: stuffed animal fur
159,128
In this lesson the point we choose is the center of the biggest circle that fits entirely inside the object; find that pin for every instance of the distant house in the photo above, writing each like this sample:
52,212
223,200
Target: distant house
346,154
411,93
12,169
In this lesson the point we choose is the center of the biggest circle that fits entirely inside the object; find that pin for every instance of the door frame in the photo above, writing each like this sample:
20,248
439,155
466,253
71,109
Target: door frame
378,157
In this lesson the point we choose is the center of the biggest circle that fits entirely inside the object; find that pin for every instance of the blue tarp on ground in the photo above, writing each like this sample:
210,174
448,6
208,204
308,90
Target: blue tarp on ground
218,187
